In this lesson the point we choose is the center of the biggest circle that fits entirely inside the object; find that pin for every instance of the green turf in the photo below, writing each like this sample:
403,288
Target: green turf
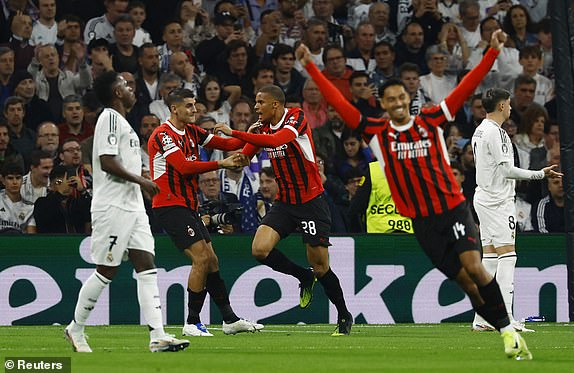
302,348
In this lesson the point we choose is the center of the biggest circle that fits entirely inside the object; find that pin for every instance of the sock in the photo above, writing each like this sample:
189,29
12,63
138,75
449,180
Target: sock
493,309
88,296
490,262
194,305
216,289
505,279
332,287
280,263
148,297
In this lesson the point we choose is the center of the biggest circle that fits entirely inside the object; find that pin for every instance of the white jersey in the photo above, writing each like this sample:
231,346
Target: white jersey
42,34
29,192
15,215
114,136
99,28
492,147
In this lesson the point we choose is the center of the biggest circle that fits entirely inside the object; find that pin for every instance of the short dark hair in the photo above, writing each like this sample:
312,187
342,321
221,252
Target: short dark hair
330,47
390,83
409,66
384,43
70,99
358,74
136,4
280,50
523,79
178,95
483,22
275,92
268,171
261,67
456,165
492,97
530,51
13,100
12,167
125,18
37,156
58,171
103,86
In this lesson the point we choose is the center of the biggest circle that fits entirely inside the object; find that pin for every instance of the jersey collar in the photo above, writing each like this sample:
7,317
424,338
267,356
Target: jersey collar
174,128
274,127
403,128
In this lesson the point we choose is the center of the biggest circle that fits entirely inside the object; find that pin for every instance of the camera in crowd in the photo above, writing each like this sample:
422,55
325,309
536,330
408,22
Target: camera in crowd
221,212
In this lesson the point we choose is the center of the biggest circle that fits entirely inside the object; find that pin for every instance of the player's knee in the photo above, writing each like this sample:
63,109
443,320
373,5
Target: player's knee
476,271
259,250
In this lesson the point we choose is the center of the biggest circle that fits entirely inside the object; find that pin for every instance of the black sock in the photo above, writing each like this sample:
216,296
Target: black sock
194,305
277,261
332,287
493,310
216,289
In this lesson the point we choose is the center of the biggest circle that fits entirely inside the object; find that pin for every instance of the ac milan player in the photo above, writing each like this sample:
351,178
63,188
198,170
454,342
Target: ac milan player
174,165
412,153
300,203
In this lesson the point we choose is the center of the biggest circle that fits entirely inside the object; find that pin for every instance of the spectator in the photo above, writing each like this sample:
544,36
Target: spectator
37,111
103,26
469,183
211,94
336,69
52,83
357,154
16,214
21,28
524,92
470,16
293,22
314,105
173,38
363,95
385,60
58,211
379,17
531,136
545,39
452,42
519,27
437,85
79,178
209,50
7,151
195,23
167,83
426,14
361,58
35,182
327,138
137,10
48,138
470,116
548,214
45,30
214,201
262,75
100,57
72,44
148,76
334,192
147,125
409,74
268,190
337,33
271,24
9,10
530,58
21,137
411,47
286,77
352,180
449,10
241,115
315,39
73,125
236,71
255,9
124,53
180,65
6,71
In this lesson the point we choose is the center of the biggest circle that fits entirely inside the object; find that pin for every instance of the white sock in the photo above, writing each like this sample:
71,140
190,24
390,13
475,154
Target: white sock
88,296
490,262
505,279
148,297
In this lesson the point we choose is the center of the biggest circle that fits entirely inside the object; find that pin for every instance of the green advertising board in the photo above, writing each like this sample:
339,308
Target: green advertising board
386,279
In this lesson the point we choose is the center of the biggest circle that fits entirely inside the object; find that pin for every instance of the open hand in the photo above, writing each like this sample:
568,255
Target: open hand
550,173
223,128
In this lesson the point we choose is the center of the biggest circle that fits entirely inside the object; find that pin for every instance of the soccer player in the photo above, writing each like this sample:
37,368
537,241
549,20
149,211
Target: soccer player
120,224
286,136
412,152
494,198
174,164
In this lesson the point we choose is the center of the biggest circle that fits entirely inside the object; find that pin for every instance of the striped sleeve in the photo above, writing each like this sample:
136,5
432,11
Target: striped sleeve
107,134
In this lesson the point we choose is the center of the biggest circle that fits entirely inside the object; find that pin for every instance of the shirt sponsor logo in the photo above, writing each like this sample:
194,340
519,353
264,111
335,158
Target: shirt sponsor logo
409,150
278,152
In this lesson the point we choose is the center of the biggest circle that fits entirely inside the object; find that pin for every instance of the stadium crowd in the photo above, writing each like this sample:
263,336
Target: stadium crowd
224,52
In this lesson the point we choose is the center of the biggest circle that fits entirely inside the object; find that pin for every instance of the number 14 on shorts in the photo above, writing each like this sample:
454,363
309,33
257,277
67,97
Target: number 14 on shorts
459,230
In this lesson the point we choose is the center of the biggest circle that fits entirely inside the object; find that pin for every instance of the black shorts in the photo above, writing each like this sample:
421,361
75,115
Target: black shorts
183,225
313,218
444,237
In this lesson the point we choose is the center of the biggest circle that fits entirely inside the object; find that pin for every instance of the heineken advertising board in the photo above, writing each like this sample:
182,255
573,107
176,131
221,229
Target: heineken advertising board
385,278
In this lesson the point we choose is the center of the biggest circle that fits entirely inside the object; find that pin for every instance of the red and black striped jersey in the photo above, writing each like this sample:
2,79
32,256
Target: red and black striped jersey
175,164
414,156
292,153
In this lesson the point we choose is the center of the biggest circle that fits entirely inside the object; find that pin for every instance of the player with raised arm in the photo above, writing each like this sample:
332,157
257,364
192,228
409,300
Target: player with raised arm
494,198
300,203
412,153
120,224
175,166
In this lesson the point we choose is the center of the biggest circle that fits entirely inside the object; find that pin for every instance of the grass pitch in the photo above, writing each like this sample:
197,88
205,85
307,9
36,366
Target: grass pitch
302,348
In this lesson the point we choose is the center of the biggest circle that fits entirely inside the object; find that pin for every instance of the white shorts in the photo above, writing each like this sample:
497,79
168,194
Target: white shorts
114,231
497,223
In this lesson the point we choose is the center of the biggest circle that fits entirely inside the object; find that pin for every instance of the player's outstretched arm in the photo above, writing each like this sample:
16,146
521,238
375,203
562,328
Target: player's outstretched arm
467,86
351,116
222,143
111,165
283,136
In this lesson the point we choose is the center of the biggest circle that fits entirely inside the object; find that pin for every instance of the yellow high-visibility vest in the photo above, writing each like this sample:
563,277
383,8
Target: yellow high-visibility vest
382,214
